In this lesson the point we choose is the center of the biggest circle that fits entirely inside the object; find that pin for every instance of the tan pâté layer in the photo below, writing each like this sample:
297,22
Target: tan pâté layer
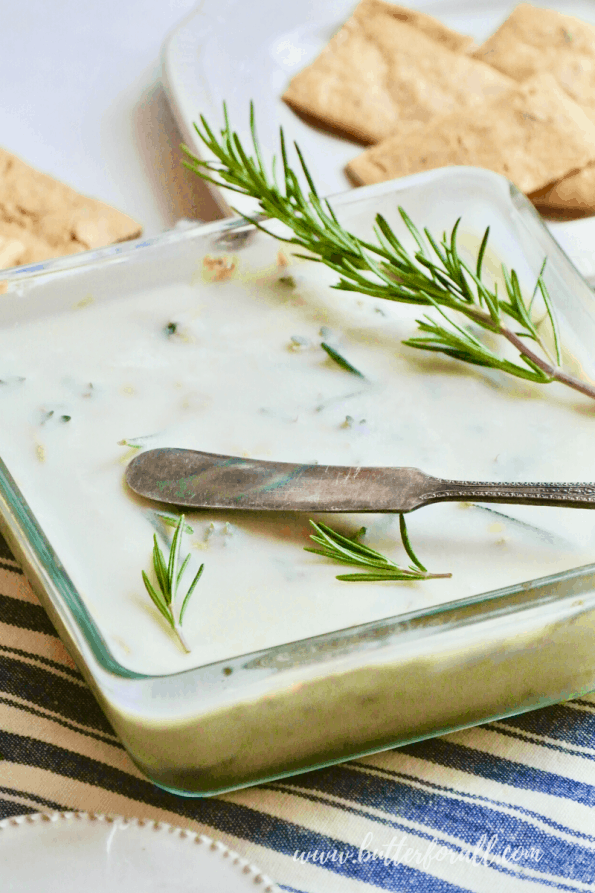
41,217
542,136
387,66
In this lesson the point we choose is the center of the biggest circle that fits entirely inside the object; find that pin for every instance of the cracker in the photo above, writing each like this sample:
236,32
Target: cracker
431,27
573,193
42,218
534,135
533,40
382,69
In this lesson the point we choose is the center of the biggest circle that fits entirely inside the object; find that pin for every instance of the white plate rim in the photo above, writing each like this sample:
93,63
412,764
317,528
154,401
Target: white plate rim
255,878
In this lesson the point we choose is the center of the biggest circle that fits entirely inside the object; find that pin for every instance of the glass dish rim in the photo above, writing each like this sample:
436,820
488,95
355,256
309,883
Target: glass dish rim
21,528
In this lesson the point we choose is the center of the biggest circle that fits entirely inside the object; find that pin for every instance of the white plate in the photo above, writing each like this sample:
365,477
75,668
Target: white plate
69,852
235,51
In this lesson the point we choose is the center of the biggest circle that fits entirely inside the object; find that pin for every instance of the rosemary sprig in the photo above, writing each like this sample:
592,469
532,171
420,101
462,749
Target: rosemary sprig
347,550
434,275
169,575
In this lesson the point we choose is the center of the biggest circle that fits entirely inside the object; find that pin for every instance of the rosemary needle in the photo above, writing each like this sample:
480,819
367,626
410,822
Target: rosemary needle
433,275
173,521
348,550
340,360
169,575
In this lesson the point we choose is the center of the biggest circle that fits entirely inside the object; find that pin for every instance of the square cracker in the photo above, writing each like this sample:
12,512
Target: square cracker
386,66
534,134
42,218
533,40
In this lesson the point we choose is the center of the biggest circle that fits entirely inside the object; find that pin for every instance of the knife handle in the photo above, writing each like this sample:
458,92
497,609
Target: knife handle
580,495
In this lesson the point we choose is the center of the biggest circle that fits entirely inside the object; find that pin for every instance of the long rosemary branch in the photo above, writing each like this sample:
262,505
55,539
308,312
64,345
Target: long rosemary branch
434,275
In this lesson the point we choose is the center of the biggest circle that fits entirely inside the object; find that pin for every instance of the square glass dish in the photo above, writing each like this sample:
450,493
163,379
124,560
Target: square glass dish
210,338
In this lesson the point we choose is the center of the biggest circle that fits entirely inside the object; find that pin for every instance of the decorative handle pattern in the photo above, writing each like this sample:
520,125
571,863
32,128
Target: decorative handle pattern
579,495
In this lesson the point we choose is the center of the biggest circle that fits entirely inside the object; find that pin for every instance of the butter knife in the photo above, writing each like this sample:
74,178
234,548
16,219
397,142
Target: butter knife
193,479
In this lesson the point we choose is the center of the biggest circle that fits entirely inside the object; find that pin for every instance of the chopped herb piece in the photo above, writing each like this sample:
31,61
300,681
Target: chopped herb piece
84,302
170,329
65,418
288,281
298,342
219,268
341,361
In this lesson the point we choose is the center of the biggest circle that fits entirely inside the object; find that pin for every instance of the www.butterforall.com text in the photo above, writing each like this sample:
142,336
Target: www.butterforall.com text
485,852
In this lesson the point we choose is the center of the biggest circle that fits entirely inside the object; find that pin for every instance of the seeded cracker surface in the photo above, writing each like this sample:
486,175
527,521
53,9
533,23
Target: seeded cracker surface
542,135
387,66
42,218
533,40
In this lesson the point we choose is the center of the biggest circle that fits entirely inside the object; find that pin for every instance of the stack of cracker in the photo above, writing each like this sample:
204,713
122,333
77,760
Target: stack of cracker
535,40
522,104
42,218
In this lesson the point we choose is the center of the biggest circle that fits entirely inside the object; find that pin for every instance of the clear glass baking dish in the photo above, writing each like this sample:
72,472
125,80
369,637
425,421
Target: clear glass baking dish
389,679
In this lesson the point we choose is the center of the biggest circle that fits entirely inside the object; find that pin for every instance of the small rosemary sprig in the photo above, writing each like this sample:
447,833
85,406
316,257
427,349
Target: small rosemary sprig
347,550
168,580
434,275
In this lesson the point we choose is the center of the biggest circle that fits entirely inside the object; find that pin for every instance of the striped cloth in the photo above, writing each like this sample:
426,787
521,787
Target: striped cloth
505,807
